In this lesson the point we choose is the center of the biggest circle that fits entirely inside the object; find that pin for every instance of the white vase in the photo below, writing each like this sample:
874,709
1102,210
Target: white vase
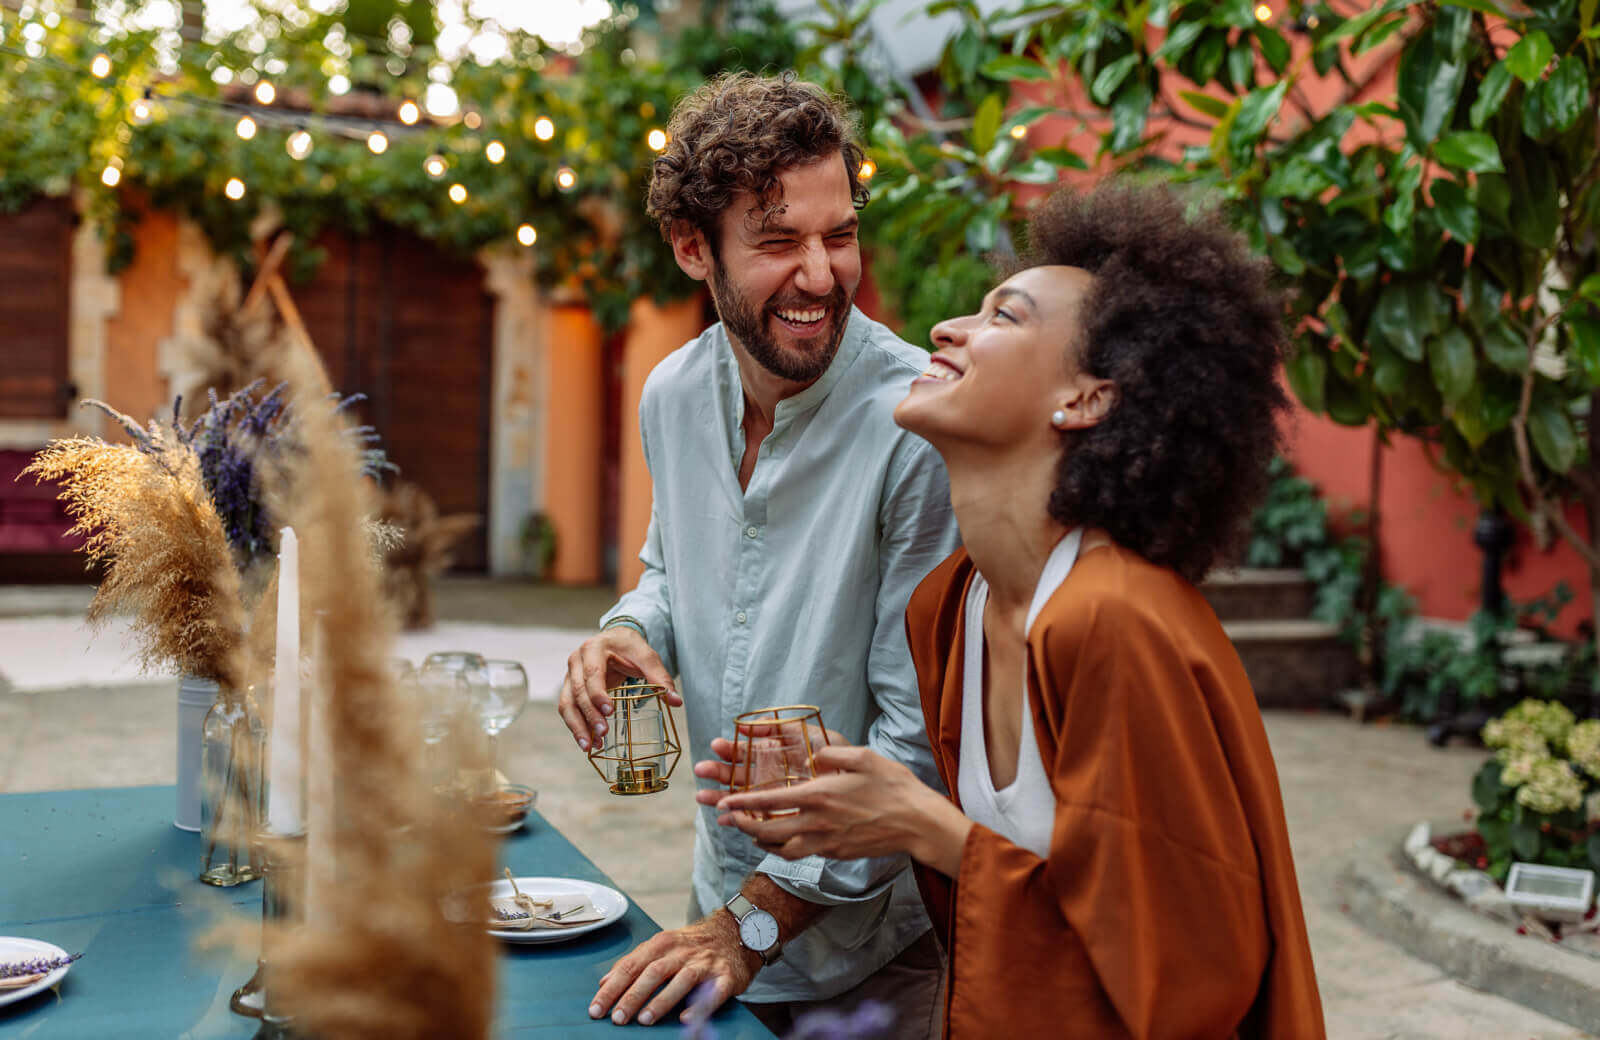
195,698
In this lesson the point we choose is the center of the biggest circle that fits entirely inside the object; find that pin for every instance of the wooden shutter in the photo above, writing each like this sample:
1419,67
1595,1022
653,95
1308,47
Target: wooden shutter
35,295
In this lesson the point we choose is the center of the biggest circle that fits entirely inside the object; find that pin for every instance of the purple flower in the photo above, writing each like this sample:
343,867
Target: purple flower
867,1022
698,1025
35,966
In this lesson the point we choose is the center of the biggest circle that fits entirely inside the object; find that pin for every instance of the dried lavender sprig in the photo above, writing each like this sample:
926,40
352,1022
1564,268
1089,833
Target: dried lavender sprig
36,966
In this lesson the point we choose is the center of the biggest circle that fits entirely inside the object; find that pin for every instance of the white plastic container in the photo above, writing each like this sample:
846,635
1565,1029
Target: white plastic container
195,697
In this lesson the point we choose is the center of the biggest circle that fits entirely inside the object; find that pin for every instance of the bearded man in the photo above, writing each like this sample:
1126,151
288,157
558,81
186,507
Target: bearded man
792,519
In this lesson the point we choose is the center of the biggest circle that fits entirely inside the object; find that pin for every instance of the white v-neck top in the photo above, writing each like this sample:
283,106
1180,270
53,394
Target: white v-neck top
1025,811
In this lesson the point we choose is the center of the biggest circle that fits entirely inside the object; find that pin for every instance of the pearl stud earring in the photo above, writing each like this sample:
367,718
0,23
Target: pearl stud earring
1058,417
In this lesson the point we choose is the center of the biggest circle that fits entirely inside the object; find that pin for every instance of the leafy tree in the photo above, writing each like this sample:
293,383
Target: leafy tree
1426,173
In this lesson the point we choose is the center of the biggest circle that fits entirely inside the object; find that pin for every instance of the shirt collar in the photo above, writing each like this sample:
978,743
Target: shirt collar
850,344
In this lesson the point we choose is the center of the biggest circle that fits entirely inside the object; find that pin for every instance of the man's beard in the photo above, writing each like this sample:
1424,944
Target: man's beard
747,323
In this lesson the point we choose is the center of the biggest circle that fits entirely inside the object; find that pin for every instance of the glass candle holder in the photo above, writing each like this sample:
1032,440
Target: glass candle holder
776,747
641,747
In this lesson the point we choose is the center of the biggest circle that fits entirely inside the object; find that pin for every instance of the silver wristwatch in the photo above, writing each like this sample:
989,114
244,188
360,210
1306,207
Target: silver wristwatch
758,930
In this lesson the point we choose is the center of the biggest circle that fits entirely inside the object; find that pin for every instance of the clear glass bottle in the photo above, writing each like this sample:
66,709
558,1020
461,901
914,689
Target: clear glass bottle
232,801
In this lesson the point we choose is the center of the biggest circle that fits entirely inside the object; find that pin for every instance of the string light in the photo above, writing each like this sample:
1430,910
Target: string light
234,189
495,152
435,166
868,168
110,176
100,65
543,128
142,109
566,178
1263,13
657,140
527,234
409,112
472,120
378,142
266,93
458,193
299,144
1019,132
245,127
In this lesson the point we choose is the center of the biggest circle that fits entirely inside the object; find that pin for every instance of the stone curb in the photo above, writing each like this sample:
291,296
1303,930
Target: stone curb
1388,898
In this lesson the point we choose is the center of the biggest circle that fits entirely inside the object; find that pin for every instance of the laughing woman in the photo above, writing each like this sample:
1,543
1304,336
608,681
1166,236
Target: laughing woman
1114,861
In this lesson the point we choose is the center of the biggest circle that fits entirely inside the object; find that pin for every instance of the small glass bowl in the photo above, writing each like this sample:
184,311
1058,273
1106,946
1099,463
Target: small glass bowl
506,808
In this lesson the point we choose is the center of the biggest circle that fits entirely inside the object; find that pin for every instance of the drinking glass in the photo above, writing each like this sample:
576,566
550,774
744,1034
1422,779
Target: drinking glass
441,696
778,761
502,698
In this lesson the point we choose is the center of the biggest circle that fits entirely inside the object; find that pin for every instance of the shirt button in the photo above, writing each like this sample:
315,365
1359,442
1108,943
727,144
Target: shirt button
741,617
752,531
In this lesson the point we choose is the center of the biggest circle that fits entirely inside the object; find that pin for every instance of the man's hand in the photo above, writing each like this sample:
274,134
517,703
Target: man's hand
675,962
604,660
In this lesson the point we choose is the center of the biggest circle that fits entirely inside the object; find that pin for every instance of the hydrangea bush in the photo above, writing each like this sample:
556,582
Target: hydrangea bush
1535,795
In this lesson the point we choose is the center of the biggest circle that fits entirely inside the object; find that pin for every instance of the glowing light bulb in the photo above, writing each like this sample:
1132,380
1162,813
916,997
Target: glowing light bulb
234,189
566,178
543,128
100,65
458,193
266,93
435,166
409,112
495,152
245,128
378,142
141,111
299,144
868,168
110,176
527,234
1263,13
657,140
1019,132
472,120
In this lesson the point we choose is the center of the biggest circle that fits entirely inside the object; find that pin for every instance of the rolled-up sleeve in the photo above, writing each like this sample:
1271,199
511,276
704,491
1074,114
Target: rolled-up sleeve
649,602
917,532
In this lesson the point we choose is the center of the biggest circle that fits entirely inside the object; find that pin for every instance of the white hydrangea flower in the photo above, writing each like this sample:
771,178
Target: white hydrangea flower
1517,765
1553,787
1583,746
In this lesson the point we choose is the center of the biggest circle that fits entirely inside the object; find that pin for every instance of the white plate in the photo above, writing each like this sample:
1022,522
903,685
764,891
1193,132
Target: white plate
14,949
607,901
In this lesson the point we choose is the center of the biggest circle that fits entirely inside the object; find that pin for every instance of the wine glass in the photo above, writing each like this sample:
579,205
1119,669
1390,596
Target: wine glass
501,699
441,695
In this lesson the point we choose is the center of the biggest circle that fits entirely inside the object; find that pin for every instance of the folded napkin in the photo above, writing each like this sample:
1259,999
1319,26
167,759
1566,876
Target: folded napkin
559,913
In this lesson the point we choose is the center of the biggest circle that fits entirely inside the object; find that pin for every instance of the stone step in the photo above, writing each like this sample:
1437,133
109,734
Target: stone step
1254,593
1294,663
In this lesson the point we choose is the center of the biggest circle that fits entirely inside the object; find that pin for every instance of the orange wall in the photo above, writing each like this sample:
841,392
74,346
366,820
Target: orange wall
653,333
573,443
148,291
1426,523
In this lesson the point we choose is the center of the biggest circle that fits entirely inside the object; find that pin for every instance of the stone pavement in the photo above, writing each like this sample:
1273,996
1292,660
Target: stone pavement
1343,784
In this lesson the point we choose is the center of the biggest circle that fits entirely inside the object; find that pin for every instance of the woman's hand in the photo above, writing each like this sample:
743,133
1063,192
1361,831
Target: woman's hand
861,804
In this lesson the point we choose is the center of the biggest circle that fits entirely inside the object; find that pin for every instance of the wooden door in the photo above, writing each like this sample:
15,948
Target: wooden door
35,289
410,326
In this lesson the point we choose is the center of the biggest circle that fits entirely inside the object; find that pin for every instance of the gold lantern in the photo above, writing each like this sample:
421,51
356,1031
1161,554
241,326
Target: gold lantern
775,747
641,747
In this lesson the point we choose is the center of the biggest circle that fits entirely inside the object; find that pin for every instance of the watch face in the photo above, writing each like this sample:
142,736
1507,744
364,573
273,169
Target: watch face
758,930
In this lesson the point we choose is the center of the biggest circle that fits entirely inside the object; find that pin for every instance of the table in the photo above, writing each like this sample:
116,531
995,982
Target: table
104,872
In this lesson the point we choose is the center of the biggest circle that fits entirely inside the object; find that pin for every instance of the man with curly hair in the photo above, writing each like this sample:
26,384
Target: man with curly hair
1115,862
791,520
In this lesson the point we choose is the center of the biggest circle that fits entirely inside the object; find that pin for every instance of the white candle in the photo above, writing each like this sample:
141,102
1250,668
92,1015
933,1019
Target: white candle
284,798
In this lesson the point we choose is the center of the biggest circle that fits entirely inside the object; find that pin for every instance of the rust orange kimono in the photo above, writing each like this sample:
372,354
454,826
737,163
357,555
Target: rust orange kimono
1167,906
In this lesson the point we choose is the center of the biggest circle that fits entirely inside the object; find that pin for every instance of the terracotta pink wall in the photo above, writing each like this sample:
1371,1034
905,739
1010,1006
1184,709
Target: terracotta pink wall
1427,519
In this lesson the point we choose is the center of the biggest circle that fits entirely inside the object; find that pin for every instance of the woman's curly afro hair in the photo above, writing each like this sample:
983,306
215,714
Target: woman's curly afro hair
740,132
1186,322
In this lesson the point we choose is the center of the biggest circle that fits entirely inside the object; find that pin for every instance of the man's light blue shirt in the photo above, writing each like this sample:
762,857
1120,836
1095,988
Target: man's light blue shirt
793,591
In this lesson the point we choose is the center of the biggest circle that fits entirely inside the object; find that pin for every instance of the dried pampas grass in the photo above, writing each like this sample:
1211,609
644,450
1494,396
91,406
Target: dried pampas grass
377,956
148,519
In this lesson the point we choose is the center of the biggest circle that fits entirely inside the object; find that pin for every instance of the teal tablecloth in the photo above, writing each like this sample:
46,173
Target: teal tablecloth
105,873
